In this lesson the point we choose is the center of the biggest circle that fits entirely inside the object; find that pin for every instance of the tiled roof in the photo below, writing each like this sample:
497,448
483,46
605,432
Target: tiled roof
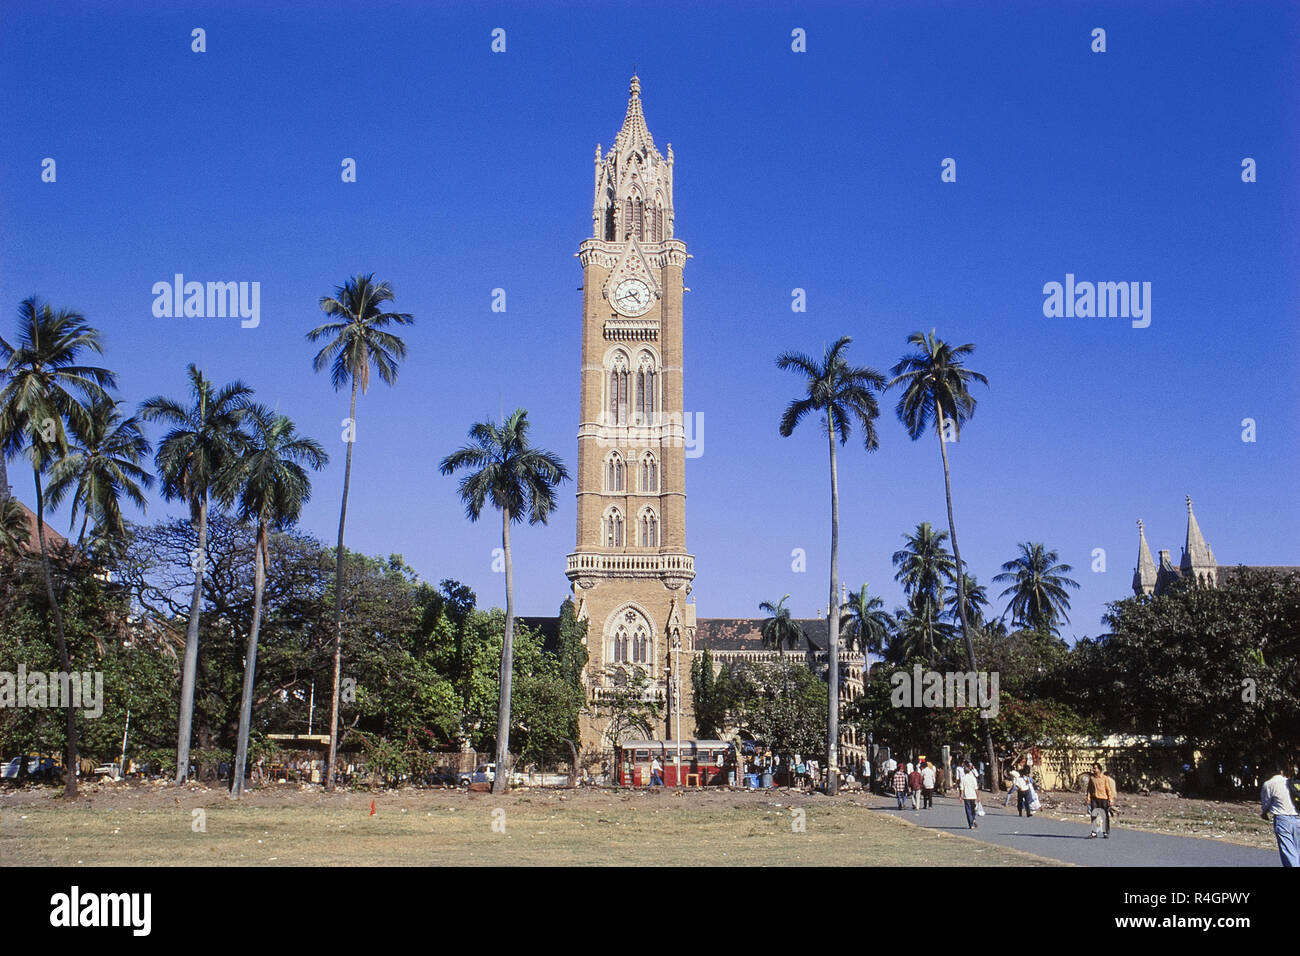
744,634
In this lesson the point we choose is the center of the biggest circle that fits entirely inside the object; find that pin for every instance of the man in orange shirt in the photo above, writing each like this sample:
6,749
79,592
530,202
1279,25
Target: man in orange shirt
1101,794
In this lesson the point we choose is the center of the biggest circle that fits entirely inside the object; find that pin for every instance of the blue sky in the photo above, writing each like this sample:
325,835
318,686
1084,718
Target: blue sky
816,170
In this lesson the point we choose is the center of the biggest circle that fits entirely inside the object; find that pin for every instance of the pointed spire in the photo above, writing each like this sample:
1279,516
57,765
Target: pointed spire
634,134
1144,578
1198,559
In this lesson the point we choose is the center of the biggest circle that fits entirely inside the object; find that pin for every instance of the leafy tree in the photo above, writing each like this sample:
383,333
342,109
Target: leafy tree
1037,589
925,568
271,484
710,696
936,395
977,599
519,480
780,630
784,705
204,436
840,394
356,339
629,709
46,391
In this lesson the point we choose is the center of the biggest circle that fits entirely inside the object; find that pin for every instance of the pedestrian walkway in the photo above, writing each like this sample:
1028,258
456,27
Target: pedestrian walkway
1068,841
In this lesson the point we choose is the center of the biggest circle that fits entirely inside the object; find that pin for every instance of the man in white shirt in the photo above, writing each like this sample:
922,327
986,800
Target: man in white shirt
927,787
1274,799
968,785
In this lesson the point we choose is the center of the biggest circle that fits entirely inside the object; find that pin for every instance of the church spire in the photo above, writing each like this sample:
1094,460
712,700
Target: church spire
1198,559
634,182
1144,578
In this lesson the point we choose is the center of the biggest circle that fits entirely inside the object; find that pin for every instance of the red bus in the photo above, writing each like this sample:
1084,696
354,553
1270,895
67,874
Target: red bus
704,763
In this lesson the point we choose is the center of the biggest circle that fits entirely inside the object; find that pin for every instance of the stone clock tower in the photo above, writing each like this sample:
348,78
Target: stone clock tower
630,570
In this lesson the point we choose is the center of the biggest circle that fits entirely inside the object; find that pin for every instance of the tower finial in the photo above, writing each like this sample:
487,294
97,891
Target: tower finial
1140,526
1189,503
634,88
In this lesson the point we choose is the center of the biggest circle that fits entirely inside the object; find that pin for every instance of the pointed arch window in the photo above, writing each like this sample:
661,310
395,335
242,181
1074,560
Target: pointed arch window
647,386
615,473
649,474
612,533
648,529
618,392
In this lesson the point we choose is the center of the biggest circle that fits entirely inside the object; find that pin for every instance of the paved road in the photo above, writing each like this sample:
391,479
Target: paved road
1067,841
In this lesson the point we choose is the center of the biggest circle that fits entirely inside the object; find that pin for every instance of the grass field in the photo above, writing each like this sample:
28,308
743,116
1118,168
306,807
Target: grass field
156,825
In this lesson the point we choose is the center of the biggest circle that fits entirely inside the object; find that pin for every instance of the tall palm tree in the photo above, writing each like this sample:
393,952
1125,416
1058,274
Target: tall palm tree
101,468
780,630
205,436
925,568
43,395
936,396
912,635
356,340
867,624
977,599
1037,588
271,485
519,480
839,393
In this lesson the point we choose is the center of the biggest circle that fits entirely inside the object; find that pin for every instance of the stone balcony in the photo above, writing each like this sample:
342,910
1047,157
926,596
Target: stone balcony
675,570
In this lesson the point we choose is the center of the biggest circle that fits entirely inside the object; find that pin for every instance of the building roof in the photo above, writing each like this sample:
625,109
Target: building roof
53,540
745,634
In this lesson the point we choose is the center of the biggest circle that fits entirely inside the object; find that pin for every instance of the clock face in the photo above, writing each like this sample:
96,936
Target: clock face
632,297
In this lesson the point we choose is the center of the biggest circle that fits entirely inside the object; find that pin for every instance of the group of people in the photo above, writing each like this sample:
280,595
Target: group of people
916,782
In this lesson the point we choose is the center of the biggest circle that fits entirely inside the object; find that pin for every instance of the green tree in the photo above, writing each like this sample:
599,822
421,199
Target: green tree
977,599
780,630
709,693
936,395
271,484
46,390
840,393
1037,588
519,480
356,339
867,625
203,437
925,568
101,468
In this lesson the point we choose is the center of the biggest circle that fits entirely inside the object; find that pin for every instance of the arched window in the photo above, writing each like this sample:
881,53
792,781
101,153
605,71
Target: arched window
614,473
646,386
613,530
648,529
618,396
649,474
638,217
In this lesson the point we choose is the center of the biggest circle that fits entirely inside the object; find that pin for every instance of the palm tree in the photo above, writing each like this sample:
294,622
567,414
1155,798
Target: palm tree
840,393
204,437
101,468
912,635
356,340
15,535
43,394
271,485
977,599
1037,588
925,568
868,624
780,630
936,395
519,480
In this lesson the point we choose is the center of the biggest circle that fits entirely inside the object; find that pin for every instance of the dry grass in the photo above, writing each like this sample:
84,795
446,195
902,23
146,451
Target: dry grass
283,825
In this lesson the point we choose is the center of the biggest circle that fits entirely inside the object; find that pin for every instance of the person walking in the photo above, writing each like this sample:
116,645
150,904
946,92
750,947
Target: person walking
968,786
1277,797
927,787
656,772
916,783
1021,784
900,786
1011,791
1101,794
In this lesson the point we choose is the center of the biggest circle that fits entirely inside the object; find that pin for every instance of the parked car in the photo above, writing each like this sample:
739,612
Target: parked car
42,767
487,773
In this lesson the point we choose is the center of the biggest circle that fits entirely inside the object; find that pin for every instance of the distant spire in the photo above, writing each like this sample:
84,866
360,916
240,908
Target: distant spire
634,134
1198,559
1144,578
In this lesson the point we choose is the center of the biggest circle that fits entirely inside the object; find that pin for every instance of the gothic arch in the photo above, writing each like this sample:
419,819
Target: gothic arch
630,638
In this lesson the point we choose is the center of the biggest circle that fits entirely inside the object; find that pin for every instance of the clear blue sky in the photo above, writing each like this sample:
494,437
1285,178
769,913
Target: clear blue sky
818,170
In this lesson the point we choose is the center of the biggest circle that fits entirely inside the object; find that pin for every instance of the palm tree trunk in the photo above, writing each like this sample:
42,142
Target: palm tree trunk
995,777
338,593
833,631
502,781
250,663
70,764
189,669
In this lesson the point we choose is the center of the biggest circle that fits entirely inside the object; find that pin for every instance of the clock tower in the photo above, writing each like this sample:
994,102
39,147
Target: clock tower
630,570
